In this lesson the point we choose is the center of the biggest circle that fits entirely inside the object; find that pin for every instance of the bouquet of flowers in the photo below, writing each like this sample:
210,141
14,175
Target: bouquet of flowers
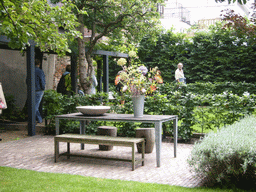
136,79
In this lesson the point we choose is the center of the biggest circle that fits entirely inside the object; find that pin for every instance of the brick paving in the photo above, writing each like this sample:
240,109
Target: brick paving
37,153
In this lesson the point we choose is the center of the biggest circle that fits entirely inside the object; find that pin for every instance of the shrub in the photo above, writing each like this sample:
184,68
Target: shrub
222,109
13,112
228,157
55,104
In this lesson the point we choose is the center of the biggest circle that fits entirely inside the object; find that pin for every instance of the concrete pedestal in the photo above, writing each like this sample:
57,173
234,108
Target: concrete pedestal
149,135
109,131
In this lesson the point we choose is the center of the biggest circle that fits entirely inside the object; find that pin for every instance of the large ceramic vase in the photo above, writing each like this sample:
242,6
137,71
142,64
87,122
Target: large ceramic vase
138,105
149,135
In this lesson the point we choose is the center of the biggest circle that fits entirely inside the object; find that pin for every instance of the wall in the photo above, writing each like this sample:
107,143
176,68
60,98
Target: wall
13,72
13,75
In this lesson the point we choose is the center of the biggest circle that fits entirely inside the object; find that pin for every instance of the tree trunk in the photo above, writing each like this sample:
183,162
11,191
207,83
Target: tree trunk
89,71
84,67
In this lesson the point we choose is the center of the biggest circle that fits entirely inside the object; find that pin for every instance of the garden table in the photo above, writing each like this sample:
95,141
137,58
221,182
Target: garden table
156,119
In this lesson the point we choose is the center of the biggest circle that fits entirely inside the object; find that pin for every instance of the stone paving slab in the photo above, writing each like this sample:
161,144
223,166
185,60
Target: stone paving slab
37,153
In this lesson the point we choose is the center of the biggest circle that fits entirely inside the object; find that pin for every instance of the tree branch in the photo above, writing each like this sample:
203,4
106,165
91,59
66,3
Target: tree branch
8,14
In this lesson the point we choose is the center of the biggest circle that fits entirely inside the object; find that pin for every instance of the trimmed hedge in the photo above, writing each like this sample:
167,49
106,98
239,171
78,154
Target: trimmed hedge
215,55
228,157
172,99
200,88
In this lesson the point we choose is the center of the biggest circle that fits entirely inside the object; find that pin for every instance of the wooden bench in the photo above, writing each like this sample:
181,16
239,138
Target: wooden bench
99,140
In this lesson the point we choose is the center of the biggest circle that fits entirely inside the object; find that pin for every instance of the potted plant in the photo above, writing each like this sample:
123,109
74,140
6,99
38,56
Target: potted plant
137,81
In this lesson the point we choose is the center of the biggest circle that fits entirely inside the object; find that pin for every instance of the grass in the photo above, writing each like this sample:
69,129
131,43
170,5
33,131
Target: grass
12,179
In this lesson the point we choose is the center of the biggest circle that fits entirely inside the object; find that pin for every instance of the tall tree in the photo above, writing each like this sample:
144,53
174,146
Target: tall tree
24,20
112,18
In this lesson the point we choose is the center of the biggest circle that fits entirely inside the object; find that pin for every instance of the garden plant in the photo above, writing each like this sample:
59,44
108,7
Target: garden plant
206,111
227,158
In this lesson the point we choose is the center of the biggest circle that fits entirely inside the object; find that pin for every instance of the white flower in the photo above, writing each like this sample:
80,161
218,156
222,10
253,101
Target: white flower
121,62
132,54
247,94
143,90
125,88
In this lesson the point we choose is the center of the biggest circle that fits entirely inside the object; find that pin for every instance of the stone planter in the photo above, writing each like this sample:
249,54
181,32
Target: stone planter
149,135
109,131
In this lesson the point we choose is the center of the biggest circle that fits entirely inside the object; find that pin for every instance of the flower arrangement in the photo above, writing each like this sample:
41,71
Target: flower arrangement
136,79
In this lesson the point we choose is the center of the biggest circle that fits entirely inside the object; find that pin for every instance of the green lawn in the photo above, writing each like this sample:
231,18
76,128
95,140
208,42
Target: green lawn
12,179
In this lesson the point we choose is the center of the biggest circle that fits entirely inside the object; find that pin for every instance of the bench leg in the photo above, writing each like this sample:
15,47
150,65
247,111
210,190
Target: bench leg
82,131
133,156
56,150
143,152
68,150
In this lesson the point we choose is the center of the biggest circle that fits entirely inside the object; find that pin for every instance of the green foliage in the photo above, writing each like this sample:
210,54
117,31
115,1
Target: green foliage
195,105
121,19
55,104
209,111
201,88
214,56
22,21
12,112
166,52
228,157
204,119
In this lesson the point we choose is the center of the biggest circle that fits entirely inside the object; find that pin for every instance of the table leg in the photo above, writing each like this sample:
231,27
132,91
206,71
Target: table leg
175,130
158,132
133,156
82,131
56,150
143,153
57,125
68,150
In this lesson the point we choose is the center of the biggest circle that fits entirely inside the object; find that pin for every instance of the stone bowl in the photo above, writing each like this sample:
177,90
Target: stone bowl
93,110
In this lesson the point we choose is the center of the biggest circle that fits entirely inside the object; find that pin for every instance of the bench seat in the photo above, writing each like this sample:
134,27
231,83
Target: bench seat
99,140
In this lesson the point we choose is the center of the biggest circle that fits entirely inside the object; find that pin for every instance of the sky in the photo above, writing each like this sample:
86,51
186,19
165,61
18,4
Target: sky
201,9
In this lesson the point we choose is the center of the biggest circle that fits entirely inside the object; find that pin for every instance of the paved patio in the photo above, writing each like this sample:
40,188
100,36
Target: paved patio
37,153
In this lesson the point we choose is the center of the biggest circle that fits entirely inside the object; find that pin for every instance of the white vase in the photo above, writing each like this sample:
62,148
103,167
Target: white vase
138,105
